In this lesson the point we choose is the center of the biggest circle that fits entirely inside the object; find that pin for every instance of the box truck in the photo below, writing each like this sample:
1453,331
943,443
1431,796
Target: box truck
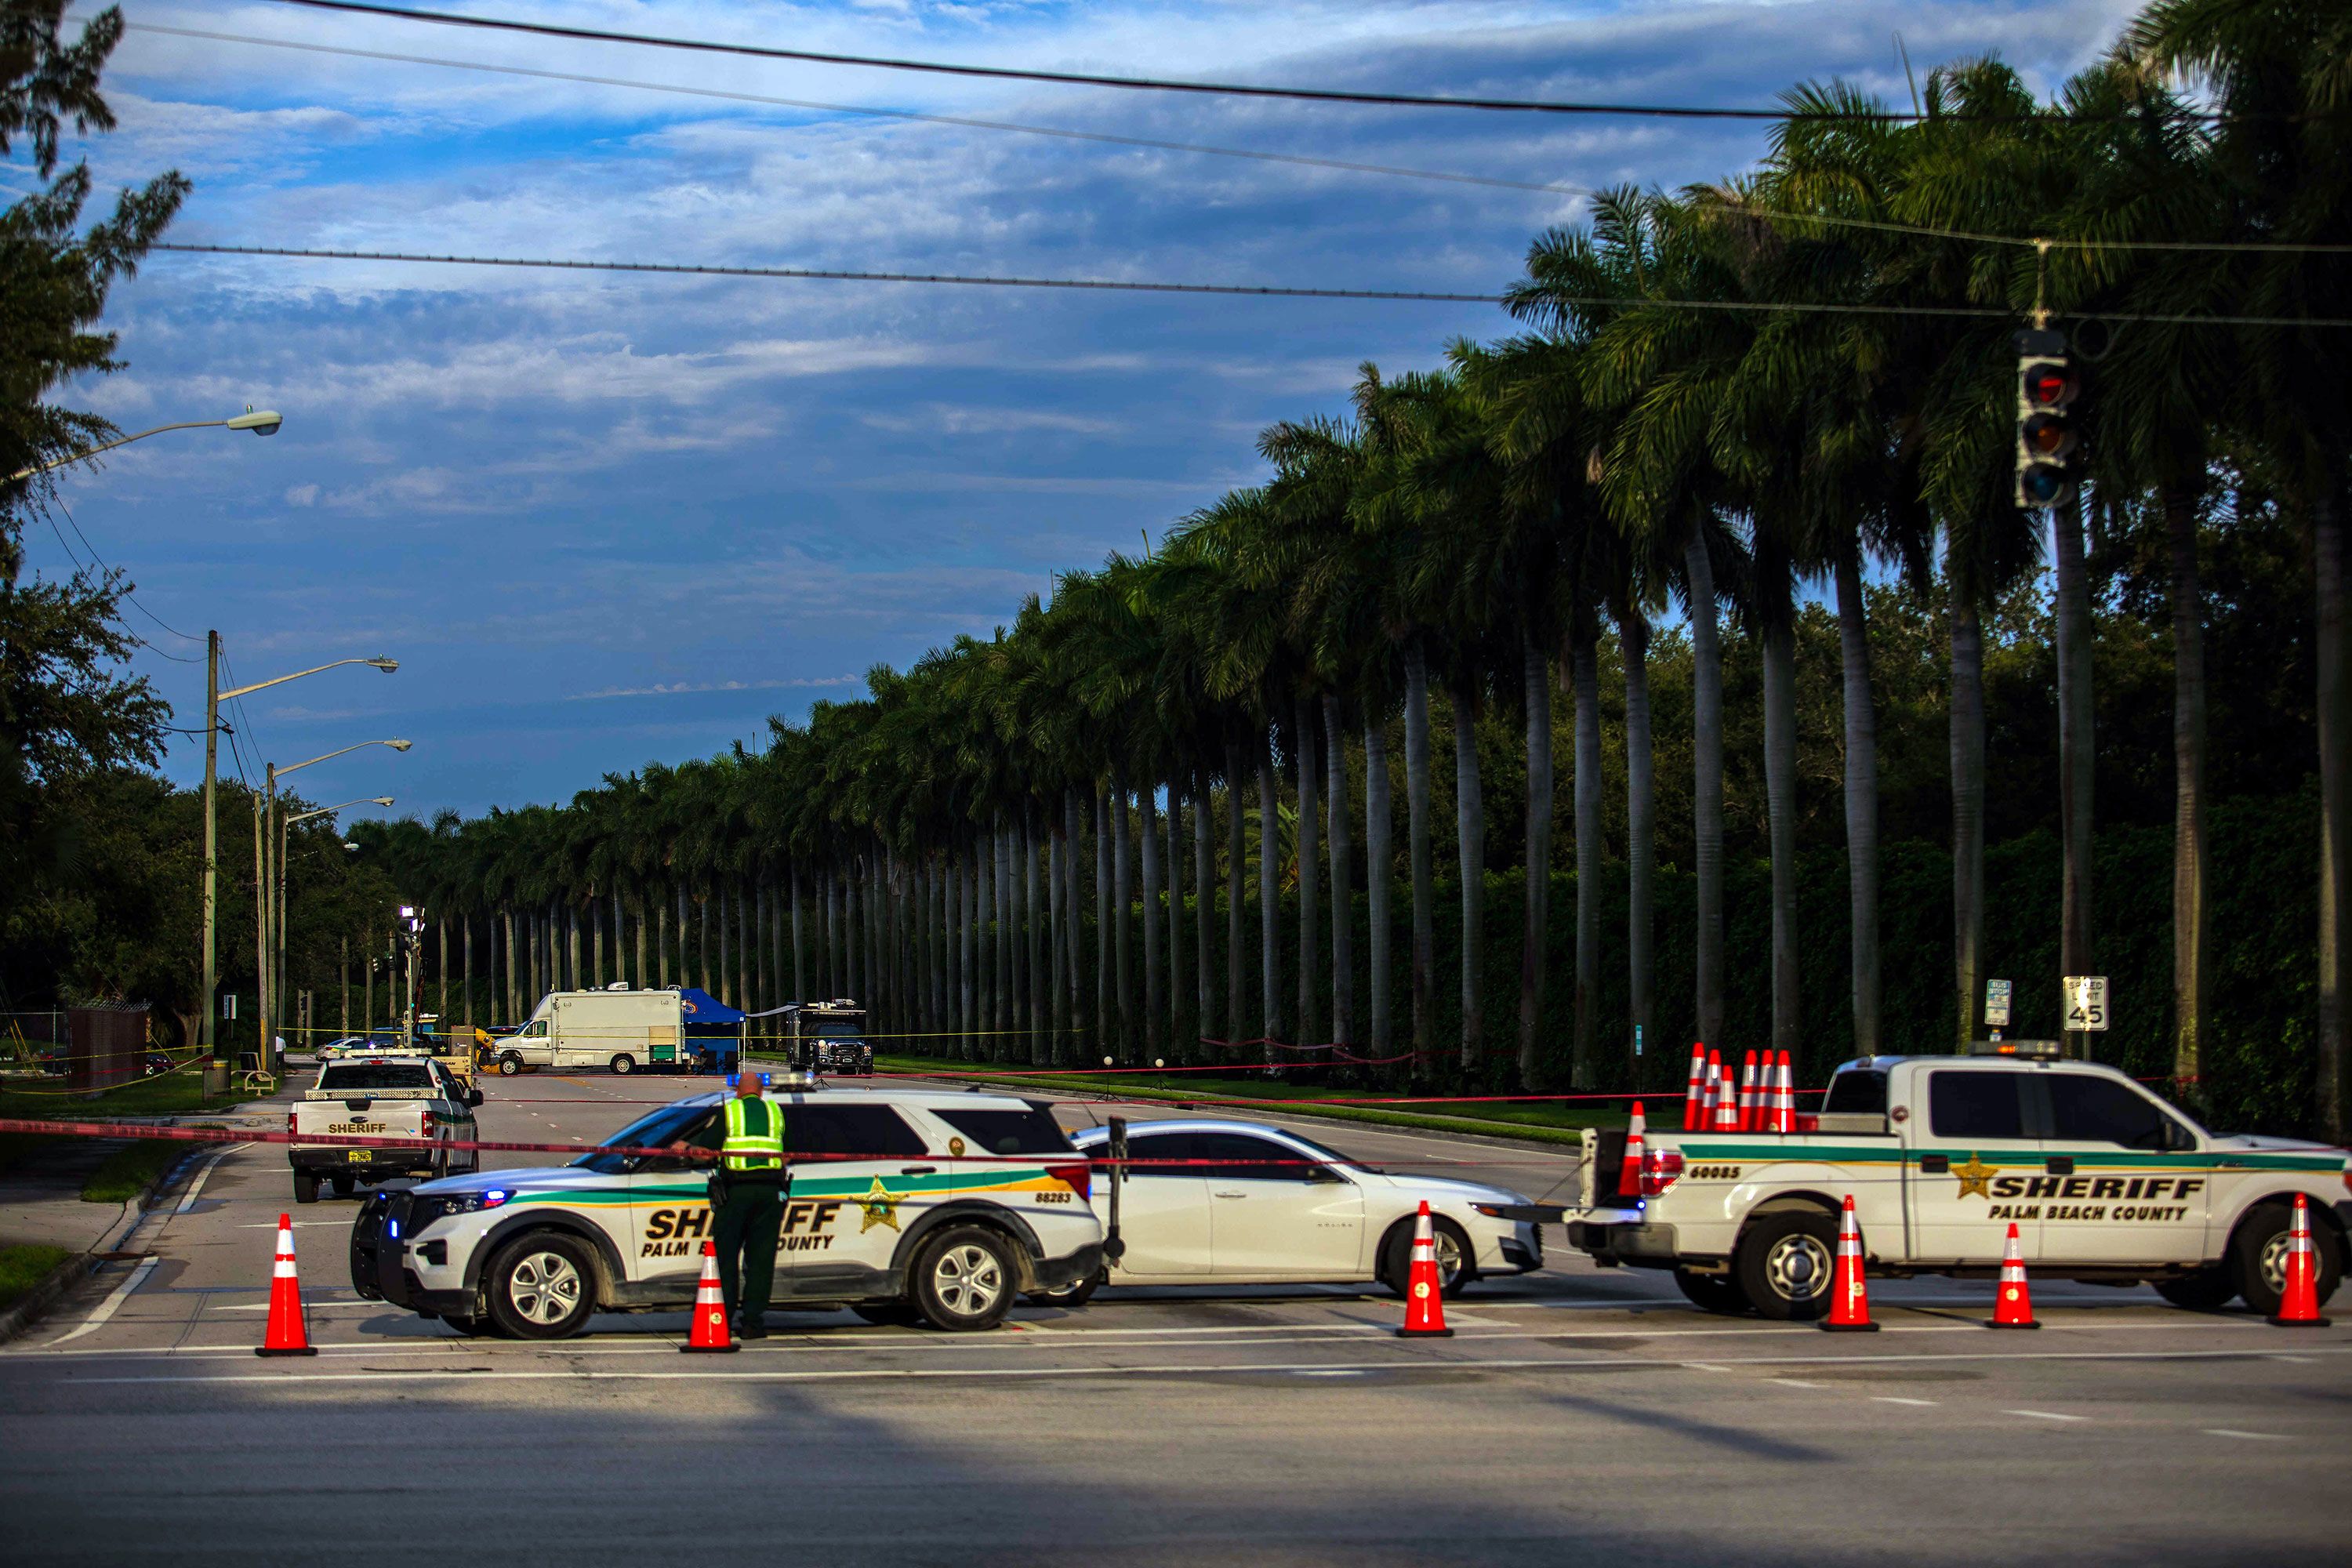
626,1031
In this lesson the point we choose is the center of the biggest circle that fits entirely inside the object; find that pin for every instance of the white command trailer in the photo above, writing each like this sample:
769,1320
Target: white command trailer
627,1031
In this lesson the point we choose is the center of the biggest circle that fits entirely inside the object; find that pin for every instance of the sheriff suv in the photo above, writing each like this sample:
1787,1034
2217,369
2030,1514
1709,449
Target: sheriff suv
904,1206
2104,1181
405,1097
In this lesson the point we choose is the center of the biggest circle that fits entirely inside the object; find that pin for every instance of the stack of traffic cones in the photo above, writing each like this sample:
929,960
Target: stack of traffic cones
2014,1306
1424,1291
2299,1301
1694,1093
1629,1174
1849,1295
288,1330
710,1332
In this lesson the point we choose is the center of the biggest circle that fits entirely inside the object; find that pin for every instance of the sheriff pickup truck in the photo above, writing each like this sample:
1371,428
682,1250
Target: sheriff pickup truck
2105,1182
379,1097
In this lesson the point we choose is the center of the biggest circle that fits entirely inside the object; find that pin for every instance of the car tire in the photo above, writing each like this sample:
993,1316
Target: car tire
965,1278
541,1285
2207,1290
1456,1269
1785,1264
1718,1293
1077,1295
890,1314
623,1065
509,1063
306,1188
343,1185
2258,1257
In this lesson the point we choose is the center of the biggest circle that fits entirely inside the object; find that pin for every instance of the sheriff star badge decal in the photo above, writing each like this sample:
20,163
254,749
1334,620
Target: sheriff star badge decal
878,1206
1974,1175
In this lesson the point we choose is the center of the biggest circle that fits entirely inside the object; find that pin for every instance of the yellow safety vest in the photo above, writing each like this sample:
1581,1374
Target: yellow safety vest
755,1136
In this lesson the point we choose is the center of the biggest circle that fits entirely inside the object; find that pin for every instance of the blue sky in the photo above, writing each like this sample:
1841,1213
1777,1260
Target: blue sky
602,520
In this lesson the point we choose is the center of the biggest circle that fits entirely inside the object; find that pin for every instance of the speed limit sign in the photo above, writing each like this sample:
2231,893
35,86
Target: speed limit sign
2087,1002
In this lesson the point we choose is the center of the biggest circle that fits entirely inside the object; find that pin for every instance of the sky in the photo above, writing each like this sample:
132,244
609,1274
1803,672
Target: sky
602,520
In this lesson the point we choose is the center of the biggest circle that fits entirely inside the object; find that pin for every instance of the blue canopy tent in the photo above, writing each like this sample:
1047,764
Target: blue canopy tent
713,1030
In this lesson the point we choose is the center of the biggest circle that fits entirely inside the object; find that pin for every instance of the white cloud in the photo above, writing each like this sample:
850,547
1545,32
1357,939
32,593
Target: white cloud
685,686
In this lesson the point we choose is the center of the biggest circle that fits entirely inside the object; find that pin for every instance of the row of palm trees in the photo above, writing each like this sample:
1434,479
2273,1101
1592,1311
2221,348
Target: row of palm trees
1714,400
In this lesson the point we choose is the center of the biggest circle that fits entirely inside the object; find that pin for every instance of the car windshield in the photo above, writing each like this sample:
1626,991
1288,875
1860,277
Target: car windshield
1097,1137
1327,1153
655,1130
377,1075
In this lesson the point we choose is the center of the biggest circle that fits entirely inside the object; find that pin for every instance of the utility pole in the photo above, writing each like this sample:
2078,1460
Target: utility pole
207,1039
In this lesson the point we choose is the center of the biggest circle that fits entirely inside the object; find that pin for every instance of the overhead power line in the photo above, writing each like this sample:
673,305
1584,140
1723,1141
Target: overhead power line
1156,84
1066,133
1145,286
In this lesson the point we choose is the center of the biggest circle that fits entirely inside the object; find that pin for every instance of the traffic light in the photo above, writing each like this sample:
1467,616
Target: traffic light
2047,386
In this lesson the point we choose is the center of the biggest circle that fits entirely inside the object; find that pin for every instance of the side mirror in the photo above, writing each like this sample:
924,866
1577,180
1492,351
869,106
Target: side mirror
473,1097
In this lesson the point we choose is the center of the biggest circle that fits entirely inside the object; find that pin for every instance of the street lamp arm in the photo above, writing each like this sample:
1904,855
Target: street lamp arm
330,810
396,745
264,424
386,665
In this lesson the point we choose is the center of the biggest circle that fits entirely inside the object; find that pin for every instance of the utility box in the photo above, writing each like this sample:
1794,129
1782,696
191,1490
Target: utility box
108,1044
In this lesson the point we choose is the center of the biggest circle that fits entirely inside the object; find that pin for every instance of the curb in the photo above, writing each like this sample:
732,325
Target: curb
31,1306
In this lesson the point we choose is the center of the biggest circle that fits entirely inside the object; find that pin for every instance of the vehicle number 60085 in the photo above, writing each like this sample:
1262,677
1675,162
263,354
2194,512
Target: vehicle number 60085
1714,1172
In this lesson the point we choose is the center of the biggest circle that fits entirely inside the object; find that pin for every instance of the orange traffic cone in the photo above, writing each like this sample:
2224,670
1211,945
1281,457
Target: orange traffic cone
2013,1309
1727,1101
1745,1107
710,1332
1424,1294
2299,1302
1694,1093
1849,1295
1629,1176
288,1332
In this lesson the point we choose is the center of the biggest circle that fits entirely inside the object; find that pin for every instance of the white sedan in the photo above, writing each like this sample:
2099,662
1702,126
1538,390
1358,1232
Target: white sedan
1245,1203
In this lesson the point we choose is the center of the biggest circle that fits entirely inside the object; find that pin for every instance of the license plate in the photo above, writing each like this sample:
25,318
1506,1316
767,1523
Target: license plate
359,1156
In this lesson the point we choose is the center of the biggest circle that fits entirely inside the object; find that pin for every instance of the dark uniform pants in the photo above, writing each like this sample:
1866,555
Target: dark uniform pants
747,1226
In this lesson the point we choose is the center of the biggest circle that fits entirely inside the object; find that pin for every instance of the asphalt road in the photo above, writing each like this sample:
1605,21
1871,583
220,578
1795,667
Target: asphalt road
1575,1412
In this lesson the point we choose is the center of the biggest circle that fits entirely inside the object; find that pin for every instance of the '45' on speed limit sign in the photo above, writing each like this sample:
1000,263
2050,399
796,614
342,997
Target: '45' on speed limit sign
2086,1000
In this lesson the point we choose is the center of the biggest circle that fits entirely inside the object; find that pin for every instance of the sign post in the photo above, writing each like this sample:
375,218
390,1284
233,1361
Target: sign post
2086,1008
1997,993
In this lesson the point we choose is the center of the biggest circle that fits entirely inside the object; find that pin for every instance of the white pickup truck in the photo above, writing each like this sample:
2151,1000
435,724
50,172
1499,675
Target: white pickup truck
2105,1182
379,1097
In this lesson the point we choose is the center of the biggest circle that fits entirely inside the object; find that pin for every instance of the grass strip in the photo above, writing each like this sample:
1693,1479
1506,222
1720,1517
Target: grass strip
23,1266
173,1094
129,1171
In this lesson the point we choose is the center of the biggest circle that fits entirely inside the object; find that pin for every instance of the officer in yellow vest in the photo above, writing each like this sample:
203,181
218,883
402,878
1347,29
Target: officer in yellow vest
748,1195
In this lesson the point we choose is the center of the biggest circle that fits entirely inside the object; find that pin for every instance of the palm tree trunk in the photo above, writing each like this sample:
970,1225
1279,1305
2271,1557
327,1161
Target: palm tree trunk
1862,789
1378,879
2188,846
1310,1032
1779,641
1584,679
1343,895
984,913
1967,805
441,933
1204,901
1707,777
1066,1049
1535,936
1122,899
661,939
572,950
1640,839
2334,694
1106,1040
1008,937
800,967
723,980
1176,1042
1269,852
1154,993
1417,844
644,976
968,945
1235,968
1033,949
1057,911
1470,838
466,947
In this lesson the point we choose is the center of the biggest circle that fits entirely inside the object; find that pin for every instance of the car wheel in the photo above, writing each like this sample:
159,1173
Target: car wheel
623,1065
542,1286
1785,1264
306,1188
2258,1257
509,1063
1456,1269
1712,1292
1077,1295
2207,1290
891,1314
965,1278
343,1185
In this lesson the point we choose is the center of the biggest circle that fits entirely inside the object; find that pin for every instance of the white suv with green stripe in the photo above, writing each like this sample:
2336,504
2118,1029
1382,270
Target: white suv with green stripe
1941,1155
924,1205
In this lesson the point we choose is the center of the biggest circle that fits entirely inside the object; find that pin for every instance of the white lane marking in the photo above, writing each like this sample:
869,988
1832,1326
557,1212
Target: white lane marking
1331,1372
2045,1414
1795,1383
1158,1369
1899,1399
1703,1366
298,1224
2249,1436
106,1308
196,1187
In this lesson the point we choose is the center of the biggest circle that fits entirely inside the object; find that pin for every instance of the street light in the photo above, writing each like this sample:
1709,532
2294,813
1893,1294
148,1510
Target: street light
273,964
264,423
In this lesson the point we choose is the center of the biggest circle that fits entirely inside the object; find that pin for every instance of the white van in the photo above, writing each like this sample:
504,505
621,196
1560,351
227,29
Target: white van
626,1031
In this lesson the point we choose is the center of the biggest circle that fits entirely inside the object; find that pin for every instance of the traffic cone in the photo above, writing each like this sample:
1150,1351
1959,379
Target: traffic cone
1629,1176
1424,1293
1695,1092
2299,1302
2013,1308
1726,1100
709,1331
1784,1097
1747,1106
288,1332
1849,1295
